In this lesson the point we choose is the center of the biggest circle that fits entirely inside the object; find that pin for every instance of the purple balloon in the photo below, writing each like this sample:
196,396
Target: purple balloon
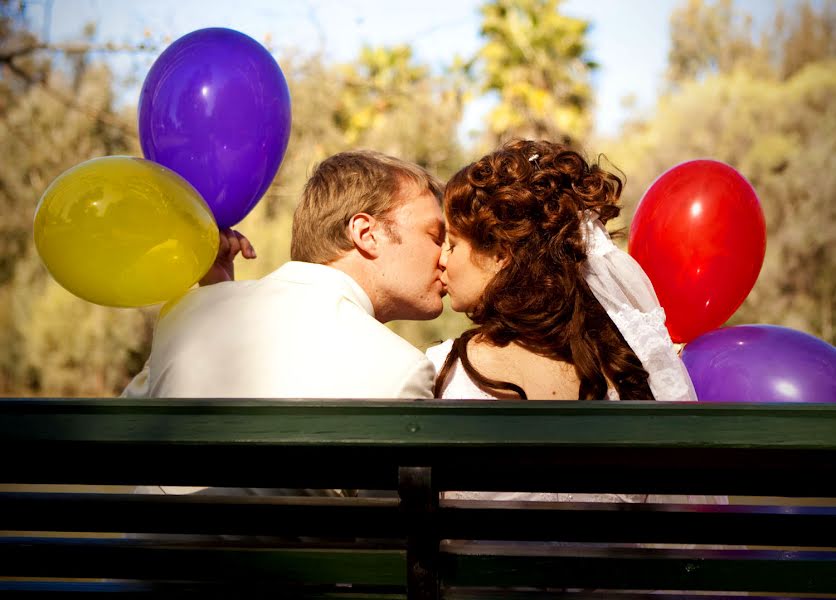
215,108
761,363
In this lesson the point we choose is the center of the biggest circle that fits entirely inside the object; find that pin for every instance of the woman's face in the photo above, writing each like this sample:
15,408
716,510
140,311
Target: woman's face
465,272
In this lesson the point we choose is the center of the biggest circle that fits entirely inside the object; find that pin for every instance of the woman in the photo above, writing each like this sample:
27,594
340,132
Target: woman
560,312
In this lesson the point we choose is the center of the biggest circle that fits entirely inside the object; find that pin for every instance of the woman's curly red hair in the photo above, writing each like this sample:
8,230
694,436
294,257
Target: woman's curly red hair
525,202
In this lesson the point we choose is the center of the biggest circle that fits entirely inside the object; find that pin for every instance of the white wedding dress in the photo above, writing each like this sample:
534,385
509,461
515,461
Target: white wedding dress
461,387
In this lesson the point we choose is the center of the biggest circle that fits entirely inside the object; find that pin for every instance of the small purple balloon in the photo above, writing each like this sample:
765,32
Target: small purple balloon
761,363
215,108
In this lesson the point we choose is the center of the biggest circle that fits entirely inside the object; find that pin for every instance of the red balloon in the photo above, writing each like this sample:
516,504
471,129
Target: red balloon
700,235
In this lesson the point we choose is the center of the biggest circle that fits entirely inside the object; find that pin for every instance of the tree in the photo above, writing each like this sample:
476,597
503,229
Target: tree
777,126
397,106
708,39
803,38
50,120
535,60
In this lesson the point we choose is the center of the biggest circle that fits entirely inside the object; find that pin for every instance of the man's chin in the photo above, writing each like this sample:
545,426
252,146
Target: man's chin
429,315
433,313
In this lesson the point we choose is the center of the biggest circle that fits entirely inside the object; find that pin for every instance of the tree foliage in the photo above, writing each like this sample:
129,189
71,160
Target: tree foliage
805,37
709,38
536,60
762,104
773,119
50,120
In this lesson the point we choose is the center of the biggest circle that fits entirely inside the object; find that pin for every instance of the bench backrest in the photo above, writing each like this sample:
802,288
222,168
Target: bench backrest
388,546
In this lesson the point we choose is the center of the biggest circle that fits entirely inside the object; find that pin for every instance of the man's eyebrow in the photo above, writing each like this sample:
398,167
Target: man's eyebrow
436,228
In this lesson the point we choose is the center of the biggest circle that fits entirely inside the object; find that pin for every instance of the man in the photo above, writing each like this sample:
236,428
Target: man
365,247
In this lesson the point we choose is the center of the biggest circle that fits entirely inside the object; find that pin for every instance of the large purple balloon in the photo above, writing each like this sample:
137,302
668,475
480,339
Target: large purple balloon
761,363
215,108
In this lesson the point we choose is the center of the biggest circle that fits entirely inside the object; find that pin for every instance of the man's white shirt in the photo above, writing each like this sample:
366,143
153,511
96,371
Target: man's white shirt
304,331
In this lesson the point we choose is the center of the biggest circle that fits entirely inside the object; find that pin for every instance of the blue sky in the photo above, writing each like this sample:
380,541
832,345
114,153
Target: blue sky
629,38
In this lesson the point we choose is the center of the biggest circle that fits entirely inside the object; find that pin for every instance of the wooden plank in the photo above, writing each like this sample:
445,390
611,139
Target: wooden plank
211,561
428,423
213,589
381,519
637,470
377,518
661,470
546,566
639,523
606,447
459,593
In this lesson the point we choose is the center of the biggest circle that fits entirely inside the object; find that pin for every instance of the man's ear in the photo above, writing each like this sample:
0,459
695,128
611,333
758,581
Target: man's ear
364,234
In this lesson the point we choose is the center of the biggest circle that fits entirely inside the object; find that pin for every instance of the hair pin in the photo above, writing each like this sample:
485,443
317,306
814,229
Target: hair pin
533,160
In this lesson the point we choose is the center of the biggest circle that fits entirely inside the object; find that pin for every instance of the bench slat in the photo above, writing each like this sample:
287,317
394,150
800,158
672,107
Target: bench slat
586,447
199,514
380,518
447,422
660,470
500,566
463,593
640,523
150,561
216,589
518,565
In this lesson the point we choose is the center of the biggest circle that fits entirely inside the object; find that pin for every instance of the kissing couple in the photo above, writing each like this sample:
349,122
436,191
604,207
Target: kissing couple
516,239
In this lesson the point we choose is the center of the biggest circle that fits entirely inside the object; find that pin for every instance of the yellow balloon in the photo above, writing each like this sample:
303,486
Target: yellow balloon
124,231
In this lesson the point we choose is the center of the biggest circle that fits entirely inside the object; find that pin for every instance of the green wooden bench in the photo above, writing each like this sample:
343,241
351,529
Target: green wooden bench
411,544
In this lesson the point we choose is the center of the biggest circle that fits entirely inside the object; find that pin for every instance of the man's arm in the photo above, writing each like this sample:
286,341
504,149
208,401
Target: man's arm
140,386
419,381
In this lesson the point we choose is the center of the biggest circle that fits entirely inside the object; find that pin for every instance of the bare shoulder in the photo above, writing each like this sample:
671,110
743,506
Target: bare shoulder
539,376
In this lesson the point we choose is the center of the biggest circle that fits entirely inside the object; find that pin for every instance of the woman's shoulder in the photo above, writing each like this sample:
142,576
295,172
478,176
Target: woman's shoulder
458,385
438,353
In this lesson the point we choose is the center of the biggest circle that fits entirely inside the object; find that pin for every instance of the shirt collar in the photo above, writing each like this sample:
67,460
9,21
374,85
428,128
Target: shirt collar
303,272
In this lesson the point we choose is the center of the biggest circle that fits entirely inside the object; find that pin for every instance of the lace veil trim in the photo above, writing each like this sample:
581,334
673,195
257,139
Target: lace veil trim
625,292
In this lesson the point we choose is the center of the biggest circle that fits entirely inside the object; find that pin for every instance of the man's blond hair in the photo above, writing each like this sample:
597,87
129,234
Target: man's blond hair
342,186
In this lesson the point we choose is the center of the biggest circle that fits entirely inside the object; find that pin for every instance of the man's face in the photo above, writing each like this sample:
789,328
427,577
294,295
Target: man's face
409,273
